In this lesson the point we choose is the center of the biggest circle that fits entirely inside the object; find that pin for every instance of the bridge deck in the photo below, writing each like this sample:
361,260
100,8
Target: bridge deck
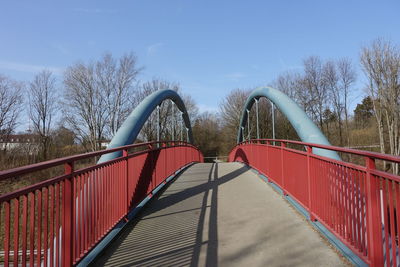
219,214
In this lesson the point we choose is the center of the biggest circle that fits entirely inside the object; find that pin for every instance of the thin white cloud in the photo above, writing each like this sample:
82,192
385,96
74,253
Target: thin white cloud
22,67
284,66
235,76
153,48
95,10
255,67
61,48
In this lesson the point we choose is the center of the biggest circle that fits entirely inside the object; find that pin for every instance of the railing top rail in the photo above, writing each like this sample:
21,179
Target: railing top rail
369,154
55,162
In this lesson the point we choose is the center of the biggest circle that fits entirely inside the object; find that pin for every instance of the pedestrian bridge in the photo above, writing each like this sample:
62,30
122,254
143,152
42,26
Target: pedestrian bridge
219,214
274,203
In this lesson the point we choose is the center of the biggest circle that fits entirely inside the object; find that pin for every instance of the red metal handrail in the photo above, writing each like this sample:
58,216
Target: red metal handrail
352,151
55,162
359,204
58,221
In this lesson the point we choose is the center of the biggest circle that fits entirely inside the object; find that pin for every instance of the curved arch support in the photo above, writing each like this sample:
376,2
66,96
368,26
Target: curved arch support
131,127
304,126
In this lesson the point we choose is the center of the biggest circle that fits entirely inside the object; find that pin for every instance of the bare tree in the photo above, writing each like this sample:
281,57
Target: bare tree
332,83
339,76
231,109
10,105
321,87
288,83
149,130
43,109
347,77
171,126
381,64
316,88
96,97
207,134
117,80
85,105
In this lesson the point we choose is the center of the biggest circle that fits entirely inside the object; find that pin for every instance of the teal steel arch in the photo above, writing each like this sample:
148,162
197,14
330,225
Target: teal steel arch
131,127
305,128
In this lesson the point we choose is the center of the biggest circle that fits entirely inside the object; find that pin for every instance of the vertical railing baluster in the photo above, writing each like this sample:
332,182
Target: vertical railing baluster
283,146
392,224
32,228
1,220
24,228
16,230
309,181
126,167
39,229
57,224
51,237
68,202
266,169
45,226
7,214
374,227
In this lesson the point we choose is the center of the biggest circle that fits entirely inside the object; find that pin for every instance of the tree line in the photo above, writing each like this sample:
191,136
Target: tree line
83,109
91,100
326,91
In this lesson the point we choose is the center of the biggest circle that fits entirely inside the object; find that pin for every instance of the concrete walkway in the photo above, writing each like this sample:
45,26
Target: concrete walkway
219,214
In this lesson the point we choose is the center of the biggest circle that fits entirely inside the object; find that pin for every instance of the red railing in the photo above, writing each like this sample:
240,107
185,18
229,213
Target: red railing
359,204
58,221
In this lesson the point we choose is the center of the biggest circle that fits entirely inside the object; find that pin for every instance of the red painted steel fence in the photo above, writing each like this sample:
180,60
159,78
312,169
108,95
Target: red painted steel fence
58,221
358,203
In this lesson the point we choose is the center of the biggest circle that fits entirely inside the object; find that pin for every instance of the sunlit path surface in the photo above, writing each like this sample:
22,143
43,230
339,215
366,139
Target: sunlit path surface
219,215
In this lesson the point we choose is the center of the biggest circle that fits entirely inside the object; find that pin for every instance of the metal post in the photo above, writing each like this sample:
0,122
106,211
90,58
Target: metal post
67,221
242,133
309,184
374,227
248,123
284,189
258,130
158,125
187,135
173,120
126,164
181,126
273,121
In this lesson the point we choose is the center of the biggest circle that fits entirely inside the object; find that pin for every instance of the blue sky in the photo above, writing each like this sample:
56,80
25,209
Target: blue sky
209,47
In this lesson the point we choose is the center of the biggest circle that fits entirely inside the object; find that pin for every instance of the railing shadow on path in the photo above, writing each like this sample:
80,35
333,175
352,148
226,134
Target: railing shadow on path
144,182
